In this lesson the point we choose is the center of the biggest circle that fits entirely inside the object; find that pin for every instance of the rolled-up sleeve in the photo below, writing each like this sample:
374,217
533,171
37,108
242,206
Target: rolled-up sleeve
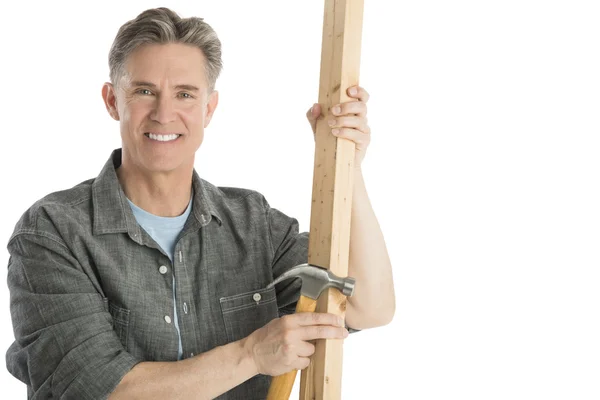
65,346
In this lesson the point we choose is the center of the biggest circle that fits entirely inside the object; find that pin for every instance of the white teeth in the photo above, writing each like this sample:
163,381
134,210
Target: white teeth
163,138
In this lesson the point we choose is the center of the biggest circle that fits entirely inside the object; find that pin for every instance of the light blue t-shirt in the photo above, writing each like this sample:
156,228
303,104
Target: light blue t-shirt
164,231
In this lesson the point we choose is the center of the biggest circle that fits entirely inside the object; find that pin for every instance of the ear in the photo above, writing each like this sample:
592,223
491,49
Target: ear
211,105
110,100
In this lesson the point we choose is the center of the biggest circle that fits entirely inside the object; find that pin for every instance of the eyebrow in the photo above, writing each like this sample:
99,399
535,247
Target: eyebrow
190,88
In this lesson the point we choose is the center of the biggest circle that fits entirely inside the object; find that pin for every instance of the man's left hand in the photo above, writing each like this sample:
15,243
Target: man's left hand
347,120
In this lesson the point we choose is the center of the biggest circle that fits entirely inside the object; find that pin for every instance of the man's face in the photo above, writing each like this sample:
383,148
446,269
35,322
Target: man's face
163,105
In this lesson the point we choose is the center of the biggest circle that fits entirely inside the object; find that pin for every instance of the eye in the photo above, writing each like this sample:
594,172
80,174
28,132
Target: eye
185,95
144,91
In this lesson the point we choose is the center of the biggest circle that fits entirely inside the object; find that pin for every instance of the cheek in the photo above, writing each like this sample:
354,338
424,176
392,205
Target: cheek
193,118
135,113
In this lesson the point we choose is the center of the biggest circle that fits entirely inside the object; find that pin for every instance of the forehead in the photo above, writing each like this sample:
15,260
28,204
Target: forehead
173,61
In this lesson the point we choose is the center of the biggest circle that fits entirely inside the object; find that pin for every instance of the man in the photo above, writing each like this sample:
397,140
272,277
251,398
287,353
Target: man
149,282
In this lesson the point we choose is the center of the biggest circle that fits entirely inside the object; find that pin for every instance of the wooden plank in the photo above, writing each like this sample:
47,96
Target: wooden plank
332,186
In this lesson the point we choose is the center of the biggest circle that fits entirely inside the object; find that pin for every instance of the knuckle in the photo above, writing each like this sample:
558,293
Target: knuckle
320,331
288,354
288,361
315,317
287,349
287,337
286,321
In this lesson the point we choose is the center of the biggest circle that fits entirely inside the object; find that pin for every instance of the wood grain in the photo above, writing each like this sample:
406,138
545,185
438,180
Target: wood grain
333,181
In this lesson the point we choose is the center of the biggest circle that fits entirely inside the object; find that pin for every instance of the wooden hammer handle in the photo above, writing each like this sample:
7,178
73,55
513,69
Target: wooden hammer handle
281,386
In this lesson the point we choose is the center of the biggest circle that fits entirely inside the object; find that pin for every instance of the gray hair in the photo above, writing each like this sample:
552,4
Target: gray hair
162,26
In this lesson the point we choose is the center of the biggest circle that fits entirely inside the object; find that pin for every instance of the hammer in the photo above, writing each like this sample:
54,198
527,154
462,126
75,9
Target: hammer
314,281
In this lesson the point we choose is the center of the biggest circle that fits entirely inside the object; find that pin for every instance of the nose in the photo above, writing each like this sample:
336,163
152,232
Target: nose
164,112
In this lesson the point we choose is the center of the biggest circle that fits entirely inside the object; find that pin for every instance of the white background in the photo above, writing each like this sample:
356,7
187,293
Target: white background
483,169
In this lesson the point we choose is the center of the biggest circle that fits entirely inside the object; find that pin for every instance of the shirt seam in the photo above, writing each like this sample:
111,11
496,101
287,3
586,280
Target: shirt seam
32,232
268,209
78,201
248,305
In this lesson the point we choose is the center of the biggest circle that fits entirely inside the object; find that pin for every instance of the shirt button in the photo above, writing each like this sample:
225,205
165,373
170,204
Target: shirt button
168,319
257,297
162,269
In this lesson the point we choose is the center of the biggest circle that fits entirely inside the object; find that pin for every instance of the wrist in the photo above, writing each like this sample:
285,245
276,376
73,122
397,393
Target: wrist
247,358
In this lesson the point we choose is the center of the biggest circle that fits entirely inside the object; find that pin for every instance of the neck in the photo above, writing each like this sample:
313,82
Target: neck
165,194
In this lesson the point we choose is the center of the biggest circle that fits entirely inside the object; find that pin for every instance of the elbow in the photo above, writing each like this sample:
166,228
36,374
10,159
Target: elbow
389,316
390,310
367,320
385,318
386,313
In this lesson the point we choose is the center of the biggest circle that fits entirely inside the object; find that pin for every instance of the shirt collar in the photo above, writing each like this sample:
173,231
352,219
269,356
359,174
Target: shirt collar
112,213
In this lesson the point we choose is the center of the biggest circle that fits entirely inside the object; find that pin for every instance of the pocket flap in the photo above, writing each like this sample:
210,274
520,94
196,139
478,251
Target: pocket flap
247,300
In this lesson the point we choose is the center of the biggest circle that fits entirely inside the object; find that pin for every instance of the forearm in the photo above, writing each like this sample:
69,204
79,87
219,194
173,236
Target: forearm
204,376
373,302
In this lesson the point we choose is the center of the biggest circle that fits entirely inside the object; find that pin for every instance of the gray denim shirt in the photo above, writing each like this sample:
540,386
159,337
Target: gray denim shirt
91,293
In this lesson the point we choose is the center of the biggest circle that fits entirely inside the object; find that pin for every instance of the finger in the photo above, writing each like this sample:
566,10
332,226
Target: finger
302,362
322,332
352,107
358,93
306,349
359,123
314,318
316,110
309,114
312,115
361,139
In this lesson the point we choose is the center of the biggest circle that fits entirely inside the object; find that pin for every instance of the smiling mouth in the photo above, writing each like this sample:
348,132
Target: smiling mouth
162,138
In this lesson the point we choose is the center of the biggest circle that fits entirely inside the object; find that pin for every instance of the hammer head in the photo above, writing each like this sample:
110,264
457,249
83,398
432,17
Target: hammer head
316,279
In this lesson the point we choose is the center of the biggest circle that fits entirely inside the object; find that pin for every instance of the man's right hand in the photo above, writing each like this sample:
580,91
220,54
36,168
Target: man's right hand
283,344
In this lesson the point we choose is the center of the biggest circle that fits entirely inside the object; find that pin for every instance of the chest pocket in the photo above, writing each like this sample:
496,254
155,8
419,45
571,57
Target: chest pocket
246,312
120,318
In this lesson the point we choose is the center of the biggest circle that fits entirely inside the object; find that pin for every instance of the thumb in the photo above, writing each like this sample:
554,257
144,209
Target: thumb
312,115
